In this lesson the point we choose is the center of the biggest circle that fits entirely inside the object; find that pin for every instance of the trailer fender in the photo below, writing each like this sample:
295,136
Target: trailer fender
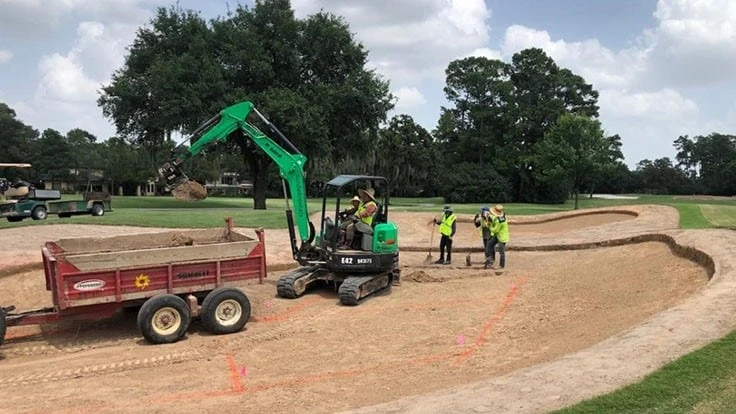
164,319
225,310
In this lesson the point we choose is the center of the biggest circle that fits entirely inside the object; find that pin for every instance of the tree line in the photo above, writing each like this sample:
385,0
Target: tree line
525,130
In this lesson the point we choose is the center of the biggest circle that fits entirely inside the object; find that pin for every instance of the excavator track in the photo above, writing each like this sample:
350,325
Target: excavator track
356,288
294,283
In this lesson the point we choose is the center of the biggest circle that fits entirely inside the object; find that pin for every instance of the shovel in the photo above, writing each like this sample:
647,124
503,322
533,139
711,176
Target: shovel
431,241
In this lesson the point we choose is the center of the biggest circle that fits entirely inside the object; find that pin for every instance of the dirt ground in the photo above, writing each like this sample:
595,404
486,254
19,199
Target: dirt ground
443,327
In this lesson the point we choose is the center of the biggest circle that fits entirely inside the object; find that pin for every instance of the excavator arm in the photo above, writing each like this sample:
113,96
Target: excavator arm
290,163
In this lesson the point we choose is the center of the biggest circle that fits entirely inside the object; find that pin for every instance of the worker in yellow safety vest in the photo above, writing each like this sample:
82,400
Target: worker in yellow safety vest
500,231
484,222
447,231
363,217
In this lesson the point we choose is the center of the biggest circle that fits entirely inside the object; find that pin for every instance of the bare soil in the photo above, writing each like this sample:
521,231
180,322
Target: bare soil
190,190
445,326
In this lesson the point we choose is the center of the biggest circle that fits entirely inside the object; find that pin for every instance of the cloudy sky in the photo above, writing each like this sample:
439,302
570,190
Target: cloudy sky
663,68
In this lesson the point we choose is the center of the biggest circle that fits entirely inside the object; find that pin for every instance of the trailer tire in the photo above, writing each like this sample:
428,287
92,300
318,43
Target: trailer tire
164,319
39,213
225,310
3,326
98,210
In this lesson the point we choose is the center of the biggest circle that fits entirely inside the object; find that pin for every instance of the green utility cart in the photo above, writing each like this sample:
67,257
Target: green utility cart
94,203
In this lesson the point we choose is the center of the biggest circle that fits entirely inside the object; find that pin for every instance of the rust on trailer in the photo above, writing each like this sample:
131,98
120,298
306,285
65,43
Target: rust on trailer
96,277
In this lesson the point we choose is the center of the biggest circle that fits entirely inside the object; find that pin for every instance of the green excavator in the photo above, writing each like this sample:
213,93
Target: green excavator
370,265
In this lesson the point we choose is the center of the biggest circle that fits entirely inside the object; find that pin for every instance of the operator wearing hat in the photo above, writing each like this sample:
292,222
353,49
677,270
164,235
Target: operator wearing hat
363,217
447,230
500,231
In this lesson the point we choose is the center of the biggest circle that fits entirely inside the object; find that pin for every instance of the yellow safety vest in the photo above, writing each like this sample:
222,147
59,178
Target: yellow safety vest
361,208
446,224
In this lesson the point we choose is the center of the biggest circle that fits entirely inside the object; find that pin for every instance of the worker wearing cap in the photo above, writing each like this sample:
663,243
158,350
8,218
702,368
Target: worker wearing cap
447,230
364,217
484,221
500,231
354,204
348,217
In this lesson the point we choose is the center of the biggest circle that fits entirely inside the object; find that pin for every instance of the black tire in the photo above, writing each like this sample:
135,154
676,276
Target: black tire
3,326
225,310
15,219
98,210
39,213
153,319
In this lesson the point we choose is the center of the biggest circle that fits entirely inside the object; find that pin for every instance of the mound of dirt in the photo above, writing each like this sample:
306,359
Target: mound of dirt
179,239
420,276
190,190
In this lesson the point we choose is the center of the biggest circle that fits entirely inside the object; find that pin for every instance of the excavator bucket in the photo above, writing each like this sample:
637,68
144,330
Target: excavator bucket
189,190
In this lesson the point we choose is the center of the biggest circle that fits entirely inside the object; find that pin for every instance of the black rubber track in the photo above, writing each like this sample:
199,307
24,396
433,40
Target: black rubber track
349,291
285,285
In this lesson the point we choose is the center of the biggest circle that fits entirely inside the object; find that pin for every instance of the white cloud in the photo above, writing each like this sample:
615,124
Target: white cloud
696,42
69,82
665,104
595,63
409,98
5,55
410,41
37,17
486,53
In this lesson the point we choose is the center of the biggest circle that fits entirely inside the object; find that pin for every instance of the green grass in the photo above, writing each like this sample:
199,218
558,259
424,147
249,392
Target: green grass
700,382
720,216
691,216
170,212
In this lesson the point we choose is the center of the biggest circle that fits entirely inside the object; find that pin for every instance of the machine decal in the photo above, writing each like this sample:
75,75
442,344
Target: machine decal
142,281
90,284
356,260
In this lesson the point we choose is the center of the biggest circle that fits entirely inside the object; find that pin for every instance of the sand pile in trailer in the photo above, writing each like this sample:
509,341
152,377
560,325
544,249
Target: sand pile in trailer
190,190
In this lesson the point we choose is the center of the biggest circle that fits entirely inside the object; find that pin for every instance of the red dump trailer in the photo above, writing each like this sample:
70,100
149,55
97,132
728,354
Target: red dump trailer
173,276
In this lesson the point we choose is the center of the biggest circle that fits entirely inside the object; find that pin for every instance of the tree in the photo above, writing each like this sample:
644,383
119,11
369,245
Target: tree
502,110
16,138
661,176
542,93
307,76
406,156
53,155
572,150
710,161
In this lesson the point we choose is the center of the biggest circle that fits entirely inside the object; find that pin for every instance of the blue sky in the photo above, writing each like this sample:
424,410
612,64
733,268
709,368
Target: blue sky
663,67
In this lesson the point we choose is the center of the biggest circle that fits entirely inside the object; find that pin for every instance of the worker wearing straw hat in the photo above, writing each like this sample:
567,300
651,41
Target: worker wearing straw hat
364,217
500,231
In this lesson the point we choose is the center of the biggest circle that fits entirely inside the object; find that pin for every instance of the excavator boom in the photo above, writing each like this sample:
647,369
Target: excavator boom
290,163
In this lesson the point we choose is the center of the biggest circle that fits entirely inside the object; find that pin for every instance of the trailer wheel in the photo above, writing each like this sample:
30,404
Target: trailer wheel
164,319
98,210
39,213
225,310
3,326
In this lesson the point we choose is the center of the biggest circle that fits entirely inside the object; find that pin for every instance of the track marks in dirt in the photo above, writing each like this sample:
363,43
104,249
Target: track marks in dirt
102,369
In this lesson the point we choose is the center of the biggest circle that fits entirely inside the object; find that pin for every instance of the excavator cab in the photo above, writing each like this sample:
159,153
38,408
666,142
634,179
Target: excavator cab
345,187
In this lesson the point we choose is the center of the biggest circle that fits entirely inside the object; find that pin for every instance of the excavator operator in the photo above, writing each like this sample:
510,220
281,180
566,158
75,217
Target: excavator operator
364,216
